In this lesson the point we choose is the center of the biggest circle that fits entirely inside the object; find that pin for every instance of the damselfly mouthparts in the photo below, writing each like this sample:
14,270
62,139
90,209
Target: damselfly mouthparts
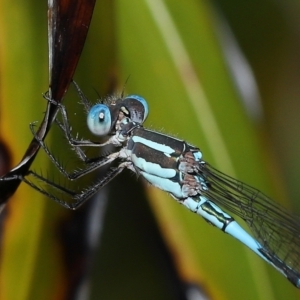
178,168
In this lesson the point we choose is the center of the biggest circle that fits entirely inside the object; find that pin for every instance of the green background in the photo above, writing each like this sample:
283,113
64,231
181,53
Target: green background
179,56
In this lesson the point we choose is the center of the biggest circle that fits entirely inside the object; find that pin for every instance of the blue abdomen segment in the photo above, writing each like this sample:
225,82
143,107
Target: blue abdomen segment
217,217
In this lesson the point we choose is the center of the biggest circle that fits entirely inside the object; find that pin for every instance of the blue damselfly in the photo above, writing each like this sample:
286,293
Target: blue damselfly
177,167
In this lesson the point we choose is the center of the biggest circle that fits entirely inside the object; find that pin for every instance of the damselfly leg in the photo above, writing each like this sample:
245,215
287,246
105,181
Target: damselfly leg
79,198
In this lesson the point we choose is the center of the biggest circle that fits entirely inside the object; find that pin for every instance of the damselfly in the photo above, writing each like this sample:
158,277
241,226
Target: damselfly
177,167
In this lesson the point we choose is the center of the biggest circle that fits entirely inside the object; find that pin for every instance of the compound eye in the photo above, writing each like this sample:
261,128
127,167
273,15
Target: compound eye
99,120
139,110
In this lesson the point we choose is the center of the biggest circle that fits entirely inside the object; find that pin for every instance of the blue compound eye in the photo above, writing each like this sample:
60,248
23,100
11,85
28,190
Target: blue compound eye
138,108
99,120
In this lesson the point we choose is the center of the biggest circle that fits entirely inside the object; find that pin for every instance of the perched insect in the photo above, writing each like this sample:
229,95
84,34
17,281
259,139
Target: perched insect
177,167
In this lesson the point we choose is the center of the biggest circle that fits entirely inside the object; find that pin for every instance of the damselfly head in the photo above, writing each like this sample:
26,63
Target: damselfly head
104,119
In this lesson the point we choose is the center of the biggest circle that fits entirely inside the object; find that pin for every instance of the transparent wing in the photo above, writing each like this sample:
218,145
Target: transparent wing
277,230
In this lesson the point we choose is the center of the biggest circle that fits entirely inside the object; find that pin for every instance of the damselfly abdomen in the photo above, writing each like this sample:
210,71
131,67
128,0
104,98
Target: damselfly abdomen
178,168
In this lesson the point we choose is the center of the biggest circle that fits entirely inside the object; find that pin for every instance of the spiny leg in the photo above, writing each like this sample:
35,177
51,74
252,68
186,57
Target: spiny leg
79,152
96,163
84,101
66,128
76,144
82,97
79,198
217,217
